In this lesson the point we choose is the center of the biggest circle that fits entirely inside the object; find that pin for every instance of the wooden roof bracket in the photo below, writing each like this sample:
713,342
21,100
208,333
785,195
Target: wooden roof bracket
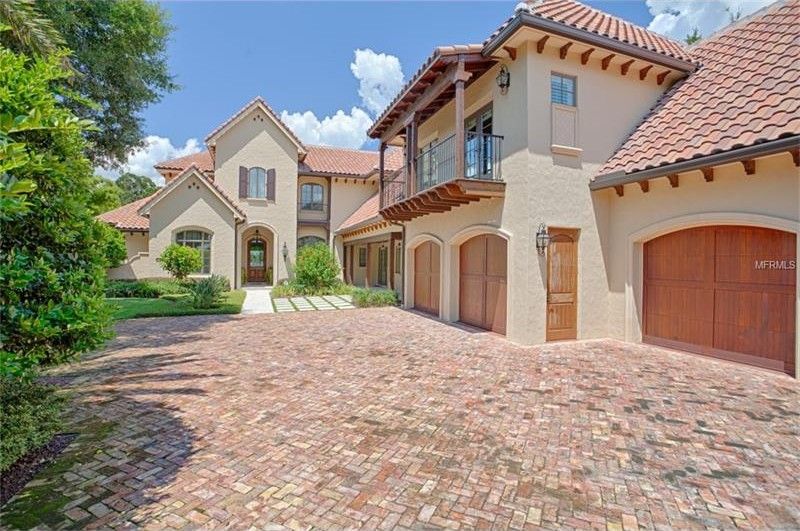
645,186
708,174
620,190
540,44
585,56
673,180
749,166
562,52
607,61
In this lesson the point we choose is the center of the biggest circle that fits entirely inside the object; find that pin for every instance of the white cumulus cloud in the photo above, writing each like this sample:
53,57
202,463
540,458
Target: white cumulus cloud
679,18
156,149
342,129
379,77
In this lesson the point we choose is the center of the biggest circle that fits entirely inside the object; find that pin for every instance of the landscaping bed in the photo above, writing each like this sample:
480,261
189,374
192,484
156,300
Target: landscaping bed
174,305
24,469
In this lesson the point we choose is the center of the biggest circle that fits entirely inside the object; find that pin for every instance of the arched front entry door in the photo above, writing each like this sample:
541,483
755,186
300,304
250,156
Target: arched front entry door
426,278
723,291
482,283
256,260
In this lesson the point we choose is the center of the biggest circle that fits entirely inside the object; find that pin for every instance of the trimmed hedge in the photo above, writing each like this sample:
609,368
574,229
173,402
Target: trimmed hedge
145,289
30,415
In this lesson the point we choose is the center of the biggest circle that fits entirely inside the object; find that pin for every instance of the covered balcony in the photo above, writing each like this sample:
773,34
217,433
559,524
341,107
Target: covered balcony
459,169
439,183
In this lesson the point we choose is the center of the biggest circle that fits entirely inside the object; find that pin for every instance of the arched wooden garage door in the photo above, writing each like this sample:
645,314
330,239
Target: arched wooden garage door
482,286
723,291
426,278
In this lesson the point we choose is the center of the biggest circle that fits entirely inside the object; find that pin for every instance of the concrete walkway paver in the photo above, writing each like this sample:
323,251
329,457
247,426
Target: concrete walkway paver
311,303
257,300
380,418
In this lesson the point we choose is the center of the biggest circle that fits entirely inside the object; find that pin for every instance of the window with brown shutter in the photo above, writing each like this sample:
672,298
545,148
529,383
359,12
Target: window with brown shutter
242,182
271,184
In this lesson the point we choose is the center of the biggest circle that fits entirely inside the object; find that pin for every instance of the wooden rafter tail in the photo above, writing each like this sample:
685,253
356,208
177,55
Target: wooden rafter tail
643,72
795,156
540,44
645,186
606,61
624,67
562,53
674,181
620,190
708,174
662,76
585,56
749,166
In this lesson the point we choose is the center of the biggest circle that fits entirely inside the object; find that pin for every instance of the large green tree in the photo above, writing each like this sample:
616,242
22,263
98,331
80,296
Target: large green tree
133,187
105,195
53,253
118,52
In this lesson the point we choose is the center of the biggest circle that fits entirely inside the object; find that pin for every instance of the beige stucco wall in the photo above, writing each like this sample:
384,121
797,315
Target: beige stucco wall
312,230
138,262
253,141
769,198
541,187
192,205
347,195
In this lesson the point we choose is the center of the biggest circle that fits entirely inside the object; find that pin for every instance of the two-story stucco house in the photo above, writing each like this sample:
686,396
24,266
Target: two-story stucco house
574,176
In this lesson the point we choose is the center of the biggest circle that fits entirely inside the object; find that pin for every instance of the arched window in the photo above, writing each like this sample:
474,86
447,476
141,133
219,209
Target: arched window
311,196
257,182
308,240
200,240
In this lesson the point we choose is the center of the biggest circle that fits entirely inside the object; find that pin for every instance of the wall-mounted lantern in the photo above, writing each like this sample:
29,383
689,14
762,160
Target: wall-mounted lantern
503,79
542,238
285,251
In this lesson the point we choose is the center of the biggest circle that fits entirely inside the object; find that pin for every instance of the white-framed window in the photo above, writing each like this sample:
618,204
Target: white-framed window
311,195
257,183
562,89
200,240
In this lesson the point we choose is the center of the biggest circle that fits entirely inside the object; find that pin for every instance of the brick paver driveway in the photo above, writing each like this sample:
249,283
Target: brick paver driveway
382,418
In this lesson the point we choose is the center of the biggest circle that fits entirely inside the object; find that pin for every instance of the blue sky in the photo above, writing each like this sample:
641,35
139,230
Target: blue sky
301,57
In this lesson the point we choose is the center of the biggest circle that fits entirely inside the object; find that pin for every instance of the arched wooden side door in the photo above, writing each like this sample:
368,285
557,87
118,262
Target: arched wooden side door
427,278
482,282
562,285
723,291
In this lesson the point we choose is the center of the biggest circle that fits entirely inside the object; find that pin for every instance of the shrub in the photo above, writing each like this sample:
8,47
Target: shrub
285,290
207,292
52,251
180,260
316,269
222,282
364,298
30,416
146,289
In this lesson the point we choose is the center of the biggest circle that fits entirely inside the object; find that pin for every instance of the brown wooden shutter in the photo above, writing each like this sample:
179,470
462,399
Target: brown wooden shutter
271,184
243,184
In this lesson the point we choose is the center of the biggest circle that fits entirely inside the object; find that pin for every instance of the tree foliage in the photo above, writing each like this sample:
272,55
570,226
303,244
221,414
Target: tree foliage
180,261
118,51
133,187
693,37
105,195
52,251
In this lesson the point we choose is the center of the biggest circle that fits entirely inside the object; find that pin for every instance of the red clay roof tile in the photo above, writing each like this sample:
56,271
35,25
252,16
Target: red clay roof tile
127,216
746,92
366,212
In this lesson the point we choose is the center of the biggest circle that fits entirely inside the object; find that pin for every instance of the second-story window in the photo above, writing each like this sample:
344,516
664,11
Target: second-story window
311,196
562,89
257,183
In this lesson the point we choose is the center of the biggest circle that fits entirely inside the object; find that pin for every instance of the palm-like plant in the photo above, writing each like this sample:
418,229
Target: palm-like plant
24,29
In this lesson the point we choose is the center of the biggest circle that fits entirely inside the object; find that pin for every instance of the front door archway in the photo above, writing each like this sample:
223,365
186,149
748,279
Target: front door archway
256,260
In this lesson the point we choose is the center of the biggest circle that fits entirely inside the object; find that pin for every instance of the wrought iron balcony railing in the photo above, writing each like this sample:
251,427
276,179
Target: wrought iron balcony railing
437,165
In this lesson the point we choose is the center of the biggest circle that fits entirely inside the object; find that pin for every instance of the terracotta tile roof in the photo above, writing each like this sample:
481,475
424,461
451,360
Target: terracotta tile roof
327,159
368,211
320,159
127,216
202,160
583,17
746,92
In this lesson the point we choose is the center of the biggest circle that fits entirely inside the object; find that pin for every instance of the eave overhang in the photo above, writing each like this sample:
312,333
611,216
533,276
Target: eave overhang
620,178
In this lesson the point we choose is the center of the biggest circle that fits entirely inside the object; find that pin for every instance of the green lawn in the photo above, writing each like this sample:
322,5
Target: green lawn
130,308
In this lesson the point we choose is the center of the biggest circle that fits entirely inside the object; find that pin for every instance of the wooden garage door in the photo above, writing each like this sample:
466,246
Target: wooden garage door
482,286
723,291
426,278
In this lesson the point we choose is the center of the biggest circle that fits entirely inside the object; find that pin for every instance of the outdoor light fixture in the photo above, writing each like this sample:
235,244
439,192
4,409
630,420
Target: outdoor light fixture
503,80
542,238
285,251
